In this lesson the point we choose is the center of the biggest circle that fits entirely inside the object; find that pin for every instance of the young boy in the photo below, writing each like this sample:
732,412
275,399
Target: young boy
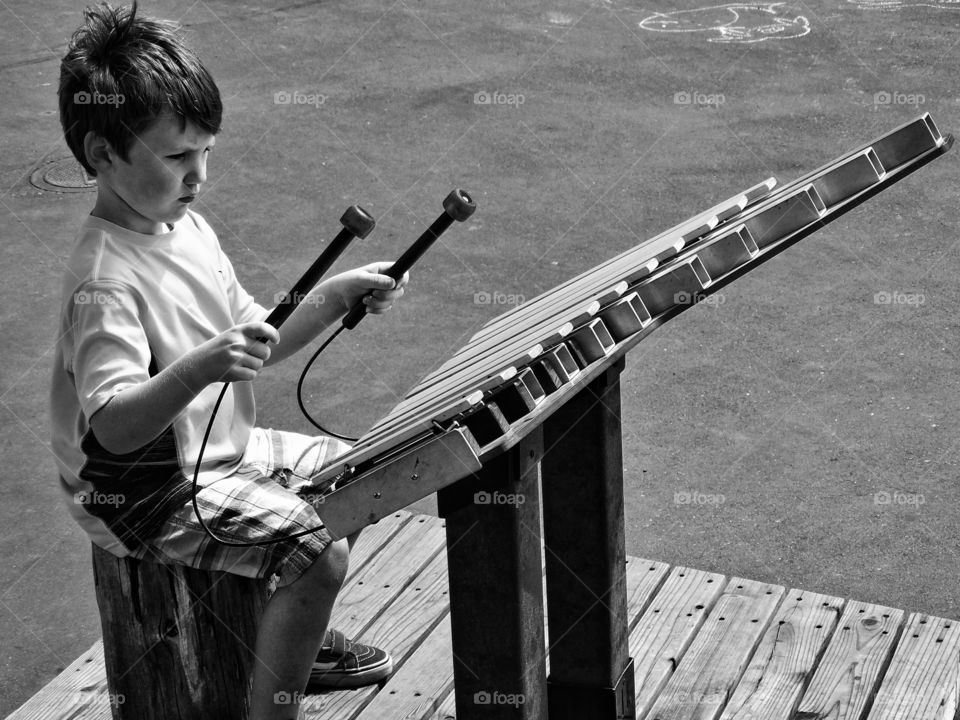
153,320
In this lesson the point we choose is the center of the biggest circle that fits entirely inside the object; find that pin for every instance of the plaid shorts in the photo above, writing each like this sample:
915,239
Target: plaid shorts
270,495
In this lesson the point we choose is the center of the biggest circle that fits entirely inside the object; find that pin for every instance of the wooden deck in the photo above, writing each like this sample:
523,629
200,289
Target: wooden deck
705,646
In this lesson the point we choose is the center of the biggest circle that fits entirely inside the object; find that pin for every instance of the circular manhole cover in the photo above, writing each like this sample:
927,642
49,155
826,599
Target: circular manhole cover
62,175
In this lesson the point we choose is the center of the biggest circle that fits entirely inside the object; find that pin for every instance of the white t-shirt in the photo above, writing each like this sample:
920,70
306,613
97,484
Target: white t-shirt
132,305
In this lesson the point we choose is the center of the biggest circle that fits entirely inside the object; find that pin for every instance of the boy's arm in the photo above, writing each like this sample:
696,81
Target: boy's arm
140,413
330,300
122,425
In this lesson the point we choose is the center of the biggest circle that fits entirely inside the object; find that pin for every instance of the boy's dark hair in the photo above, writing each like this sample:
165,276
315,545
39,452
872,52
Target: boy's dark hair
121,72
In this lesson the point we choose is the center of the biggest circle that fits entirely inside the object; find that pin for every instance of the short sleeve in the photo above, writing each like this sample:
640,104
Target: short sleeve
242,305
110,347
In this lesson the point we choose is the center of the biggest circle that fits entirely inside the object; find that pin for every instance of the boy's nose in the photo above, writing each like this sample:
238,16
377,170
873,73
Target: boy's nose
197,174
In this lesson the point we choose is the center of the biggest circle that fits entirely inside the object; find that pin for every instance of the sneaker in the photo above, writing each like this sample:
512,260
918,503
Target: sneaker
343,663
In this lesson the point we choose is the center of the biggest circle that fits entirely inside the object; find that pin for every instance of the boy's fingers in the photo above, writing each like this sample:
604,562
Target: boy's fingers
382,282
259,351
389,295
379,271
259,330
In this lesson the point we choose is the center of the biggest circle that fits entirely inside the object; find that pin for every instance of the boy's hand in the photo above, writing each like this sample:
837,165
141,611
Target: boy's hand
377,290
235,355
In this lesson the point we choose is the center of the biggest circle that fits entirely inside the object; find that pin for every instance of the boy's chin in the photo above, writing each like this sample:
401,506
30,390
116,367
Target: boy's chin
175,215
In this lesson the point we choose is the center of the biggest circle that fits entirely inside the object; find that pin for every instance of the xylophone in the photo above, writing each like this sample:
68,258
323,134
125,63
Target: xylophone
523,365
520,430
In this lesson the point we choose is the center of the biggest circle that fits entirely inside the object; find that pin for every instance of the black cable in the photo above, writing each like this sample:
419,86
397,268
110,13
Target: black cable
203,446
303,375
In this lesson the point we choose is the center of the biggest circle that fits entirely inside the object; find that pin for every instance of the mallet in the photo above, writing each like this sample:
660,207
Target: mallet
356,223
456,206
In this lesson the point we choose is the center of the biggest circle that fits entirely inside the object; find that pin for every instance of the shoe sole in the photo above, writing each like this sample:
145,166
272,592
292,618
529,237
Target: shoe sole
355,679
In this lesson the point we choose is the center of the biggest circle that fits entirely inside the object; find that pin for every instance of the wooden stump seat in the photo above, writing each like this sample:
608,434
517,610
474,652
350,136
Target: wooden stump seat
178,642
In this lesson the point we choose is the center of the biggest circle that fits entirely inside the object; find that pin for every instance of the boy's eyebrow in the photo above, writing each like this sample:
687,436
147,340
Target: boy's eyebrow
181,145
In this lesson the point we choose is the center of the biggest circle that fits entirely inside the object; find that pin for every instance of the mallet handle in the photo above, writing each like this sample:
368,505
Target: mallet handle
356,222
457,206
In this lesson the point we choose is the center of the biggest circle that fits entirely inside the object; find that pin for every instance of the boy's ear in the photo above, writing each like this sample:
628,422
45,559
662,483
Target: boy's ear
99,153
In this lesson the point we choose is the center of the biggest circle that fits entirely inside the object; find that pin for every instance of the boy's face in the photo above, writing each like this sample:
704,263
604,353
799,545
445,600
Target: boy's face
161,176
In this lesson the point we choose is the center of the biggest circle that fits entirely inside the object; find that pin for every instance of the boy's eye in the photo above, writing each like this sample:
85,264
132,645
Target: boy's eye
183,155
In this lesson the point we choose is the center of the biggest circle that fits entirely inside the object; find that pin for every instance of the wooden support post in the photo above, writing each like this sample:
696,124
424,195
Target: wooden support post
495,569
591,672
177,642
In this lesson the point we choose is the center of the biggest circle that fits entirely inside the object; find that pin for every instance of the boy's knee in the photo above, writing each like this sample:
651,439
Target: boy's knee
330,568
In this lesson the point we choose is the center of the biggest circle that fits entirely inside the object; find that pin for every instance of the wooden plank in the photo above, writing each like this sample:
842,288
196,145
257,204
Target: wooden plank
921,682
719,654
664,631
446,711
786,658
423,683
387,575
851,668
375,538
79,692
645,578
407,623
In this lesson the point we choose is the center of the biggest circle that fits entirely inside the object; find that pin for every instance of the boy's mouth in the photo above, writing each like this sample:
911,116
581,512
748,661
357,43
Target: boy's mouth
188,198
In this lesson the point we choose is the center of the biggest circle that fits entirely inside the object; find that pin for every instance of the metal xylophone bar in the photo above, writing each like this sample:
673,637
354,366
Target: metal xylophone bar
500,354
778,217
568,297
495,405
539,326
530,333
651,253
776,220
889,146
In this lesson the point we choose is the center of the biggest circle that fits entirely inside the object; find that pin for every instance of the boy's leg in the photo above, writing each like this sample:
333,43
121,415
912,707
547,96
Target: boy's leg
290,635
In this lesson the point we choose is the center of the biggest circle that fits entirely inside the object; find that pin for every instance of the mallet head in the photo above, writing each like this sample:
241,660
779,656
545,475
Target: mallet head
358,221
459,205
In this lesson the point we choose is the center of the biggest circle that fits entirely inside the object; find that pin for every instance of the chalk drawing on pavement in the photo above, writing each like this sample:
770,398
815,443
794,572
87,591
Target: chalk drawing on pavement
734,23
900,4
